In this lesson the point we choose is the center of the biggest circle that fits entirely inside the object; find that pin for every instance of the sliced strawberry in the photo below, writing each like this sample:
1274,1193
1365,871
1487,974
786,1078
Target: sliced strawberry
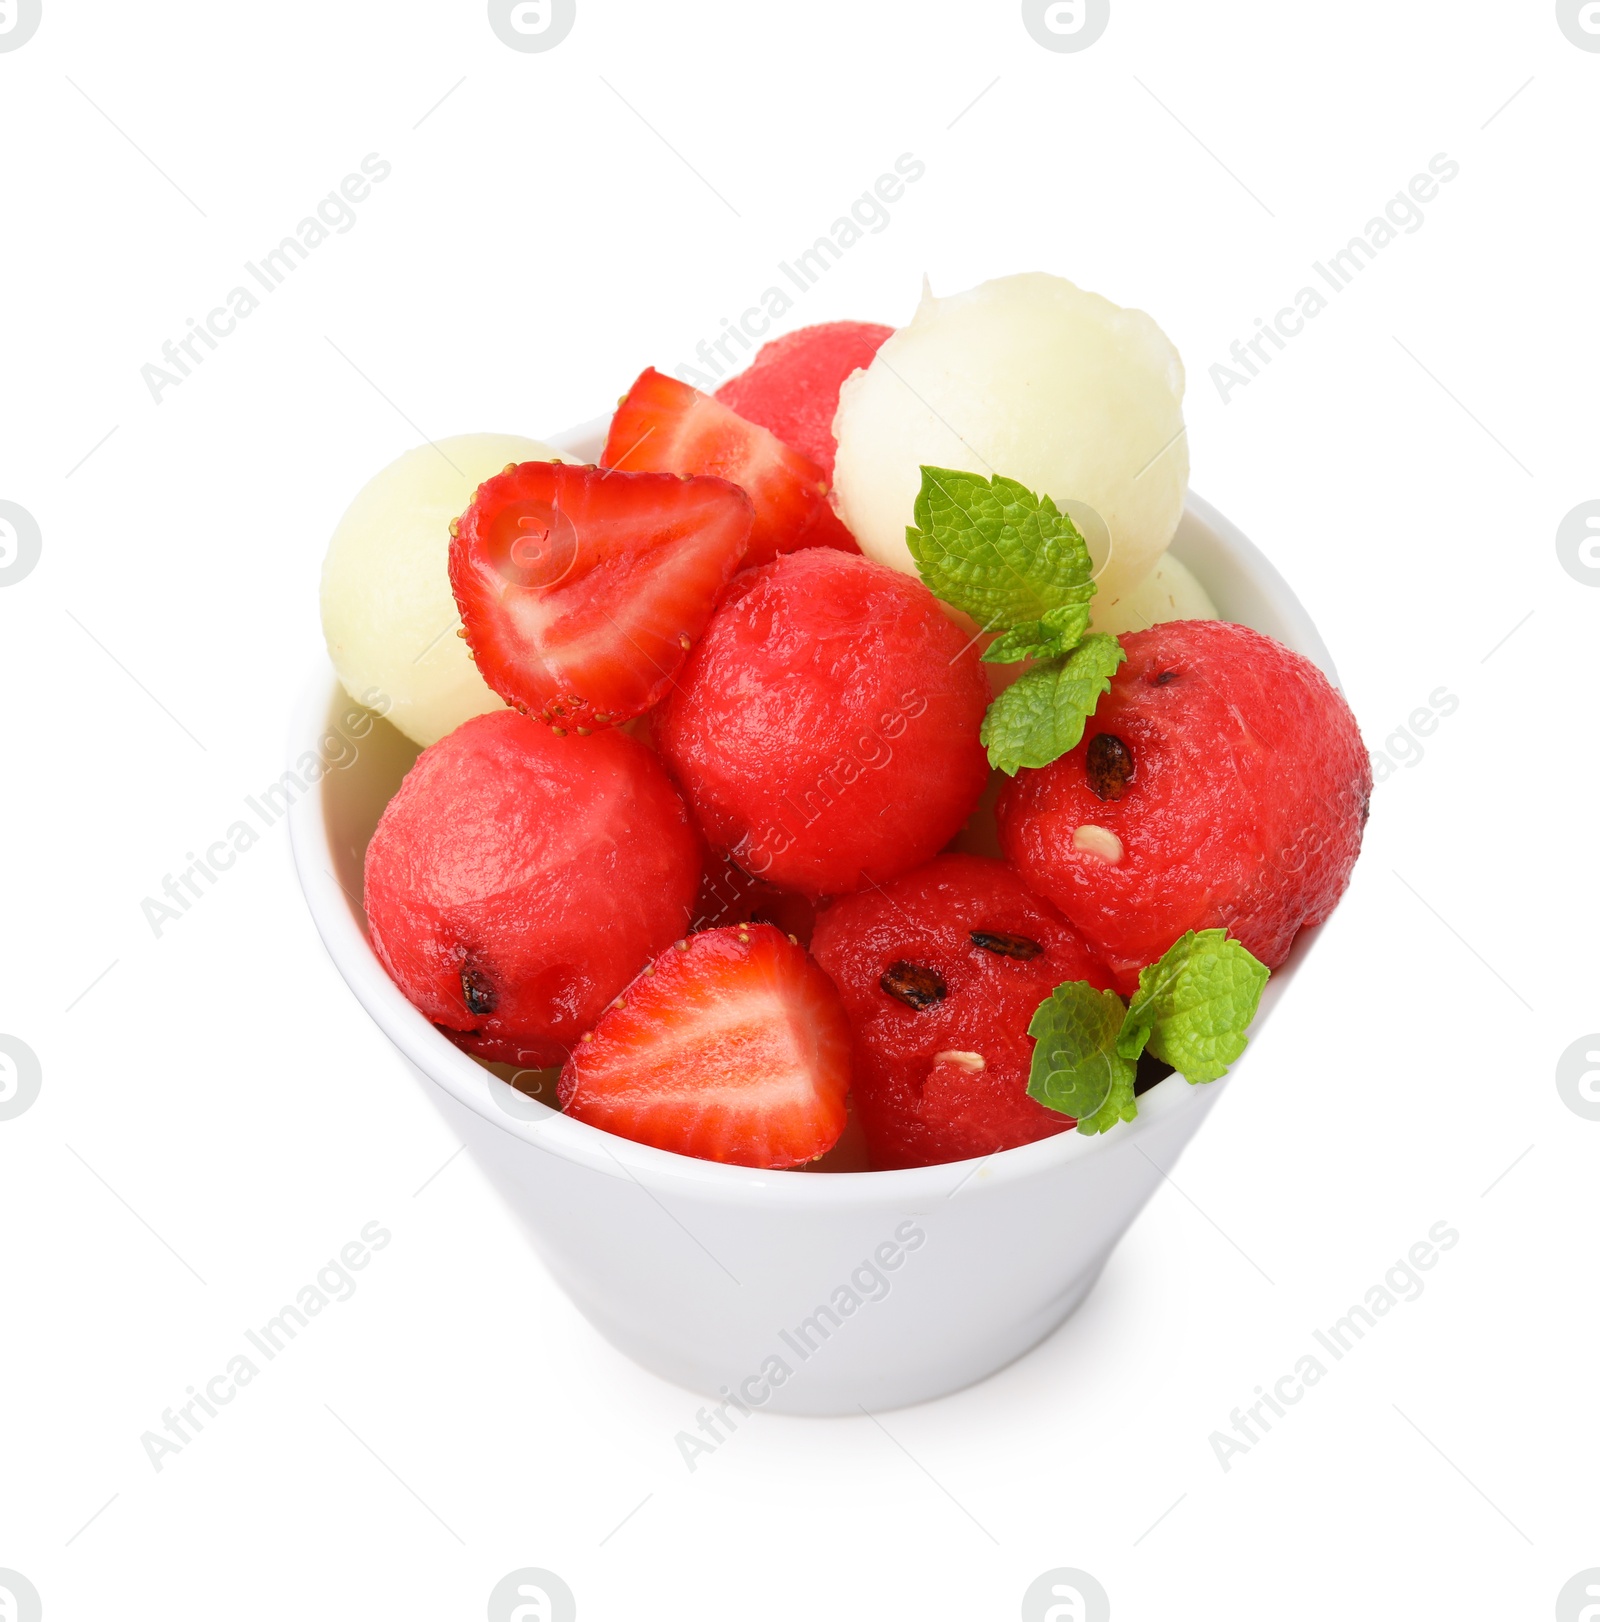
733,1046
665,426
583,590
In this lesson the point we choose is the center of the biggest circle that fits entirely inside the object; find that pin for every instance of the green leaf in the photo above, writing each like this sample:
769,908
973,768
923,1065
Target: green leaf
1076,1067
1121,1106
1032,640
1058,632
1192,1008
1043,713
996,551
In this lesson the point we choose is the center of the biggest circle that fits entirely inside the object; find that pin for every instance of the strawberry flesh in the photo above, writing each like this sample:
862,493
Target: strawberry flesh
732,1046
582,590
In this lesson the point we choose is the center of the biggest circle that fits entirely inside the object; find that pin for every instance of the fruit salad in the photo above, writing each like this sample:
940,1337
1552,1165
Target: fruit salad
842,773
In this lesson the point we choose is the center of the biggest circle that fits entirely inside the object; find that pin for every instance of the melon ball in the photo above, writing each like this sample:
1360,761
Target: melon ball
1033,378
1168,592
387,611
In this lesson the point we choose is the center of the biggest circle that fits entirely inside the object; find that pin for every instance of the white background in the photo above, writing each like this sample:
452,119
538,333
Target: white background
536,245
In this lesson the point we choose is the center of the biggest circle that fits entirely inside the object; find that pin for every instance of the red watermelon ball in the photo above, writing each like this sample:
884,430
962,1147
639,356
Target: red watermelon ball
792,389
519,880
825,727
792,386
1221,783
940,973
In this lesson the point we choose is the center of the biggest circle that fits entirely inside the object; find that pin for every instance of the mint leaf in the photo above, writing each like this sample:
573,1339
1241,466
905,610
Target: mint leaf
1076,1067
996,551
1015,562
1058,632
1033,640
1120,1106
1192,1008
1042,714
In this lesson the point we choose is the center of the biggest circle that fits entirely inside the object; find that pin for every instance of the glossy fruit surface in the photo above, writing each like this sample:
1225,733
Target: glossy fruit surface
1221,783
792,388
732,1046
664,426
518,880
581,591
387,612
825,730
940,972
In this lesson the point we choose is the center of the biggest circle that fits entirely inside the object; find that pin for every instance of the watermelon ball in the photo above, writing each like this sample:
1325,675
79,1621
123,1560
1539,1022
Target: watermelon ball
825,727
1221,783
940,973
792,388
519,880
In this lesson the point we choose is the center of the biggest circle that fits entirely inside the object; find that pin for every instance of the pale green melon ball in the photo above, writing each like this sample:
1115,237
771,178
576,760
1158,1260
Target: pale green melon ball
387,611
1033,378
1168,592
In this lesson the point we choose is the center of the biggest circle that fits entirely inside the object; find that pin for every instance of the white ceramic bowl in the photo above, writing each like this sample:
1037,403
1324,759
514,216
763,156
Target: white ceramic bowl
799,1292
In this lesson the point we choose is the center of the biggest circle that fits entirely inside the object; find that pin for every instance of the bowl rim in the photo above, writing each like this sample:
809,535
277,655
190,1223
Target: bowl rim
340,924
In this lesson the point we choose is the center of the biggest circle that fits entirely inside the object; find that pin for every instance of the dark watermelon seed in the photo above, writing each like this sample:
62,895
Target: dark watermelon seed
913,984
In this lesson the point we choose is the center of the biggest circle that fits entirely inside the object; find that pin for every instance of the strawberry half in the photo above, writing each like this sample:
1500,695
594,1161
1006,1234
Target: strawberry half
583,590
733,1046
665,426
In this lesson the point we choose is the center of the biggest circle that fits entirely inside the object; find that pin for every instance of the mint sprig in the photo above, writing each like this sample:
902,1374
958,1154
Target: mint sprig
1007,557
1192,1009
1060,629
1076,1067
1042,714
1017,564
1194,1006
